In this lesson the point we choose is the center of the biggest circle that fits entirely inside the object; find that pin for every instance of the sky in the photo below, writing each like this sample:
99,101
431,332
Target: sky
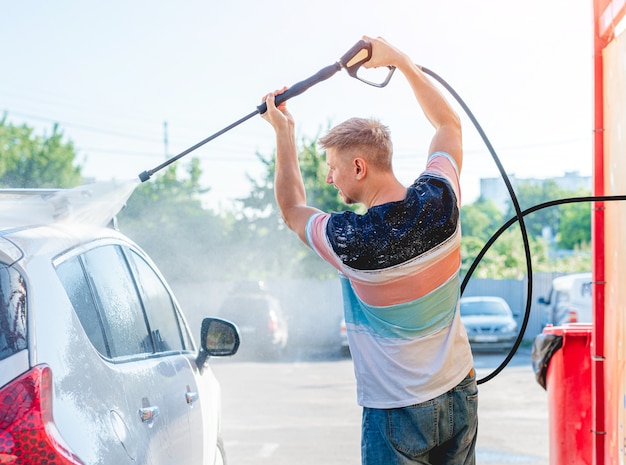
120,77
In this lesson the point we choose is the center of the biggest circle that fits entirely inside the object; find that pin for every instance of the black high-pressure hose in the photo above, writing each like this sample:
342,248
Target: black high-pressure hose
534,208
507,225
518,217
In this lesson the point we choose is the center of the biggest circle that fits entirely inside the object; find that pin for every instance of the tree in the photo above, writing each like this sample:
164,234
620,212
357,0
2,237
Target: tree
529,195
575,223
481,219
165,216
506,256
570,224
277,251
28,160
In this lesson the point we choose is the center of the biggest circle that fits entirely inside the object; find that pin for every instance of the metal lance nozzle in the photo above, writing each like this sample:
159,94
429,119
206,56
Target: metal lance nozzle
143,177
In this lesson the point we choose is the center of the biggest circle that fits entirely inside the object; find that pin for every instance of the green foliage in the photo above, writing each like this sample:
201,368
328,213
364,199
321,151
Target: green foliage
320,194
575,224
267,247
166,217
569,223
529,195
481,219
506,259
276,250
28,160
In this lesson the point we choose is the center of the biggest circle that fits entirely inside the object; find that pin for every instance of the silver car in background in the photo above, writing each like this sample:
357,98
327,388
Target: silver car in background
489,322
97,363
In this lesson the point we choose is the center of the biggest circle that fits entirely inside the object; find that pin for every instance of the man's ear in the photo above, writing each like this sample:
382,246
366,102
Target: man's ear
360,168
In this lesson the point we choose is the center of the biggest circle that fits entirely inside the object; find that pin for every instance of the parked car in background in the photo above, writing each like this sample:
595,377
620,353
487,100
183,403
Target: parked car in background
97,362
259,318
344,347
569,300
489,322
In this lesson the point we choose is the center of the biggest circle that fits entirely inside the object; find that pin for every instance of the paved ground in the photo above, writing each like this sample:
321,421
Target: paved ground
304,412
513,419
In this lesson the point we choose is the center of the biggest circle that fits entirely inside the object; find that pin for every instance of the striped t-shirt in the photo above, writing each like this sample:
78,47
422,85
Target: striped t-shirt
399,267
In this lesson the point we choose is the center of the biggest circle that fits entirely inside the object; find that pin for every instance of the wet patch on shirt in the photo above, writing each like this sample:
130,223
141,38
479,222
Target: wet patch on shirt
396,232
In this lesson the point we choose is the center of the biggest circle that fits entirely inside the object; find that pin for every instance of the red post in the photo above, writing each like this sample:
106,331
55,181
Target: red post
597,349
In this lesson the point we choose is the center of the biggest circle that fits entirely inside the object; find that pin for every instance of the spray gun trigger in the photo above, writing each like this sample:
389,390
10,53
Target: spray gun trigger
384,82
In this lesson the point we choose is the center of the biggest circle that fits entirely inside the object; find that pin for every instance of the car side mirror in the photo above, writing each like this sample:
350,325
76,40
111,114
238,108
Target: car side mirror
218,338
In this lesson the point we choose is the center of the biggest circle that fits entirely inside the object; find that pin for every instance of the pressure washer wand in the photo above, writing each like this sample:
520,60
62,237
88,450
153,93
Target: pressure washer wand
351,61
148,173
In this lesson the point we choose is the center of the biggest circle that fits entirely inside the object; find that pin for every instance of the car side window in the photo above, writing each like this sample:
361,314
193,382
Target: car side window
561,296
73,278
160,309
114,291
122,303
13,307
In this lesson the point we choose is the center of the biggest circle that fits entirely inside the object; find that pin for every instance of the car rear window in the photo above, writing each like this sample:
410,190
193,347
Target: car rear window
13,307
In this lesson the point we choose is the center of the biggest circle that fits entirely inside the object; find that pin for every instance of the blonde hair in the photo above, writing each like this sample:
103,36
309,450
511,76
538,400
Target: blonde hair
366,137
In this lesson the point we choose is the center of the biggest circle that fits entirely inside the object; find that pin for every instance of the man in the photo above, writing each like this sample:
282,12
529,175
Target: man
399,266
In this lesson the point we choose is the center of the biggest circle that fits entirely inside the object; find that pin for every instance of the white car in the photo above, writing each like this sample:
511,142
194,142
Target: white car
97,363
569,301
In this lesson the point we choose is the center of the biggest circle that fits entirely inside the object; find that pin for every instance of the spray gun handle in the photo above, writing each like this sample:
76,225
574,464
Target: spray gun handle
359,54
301,86
352,60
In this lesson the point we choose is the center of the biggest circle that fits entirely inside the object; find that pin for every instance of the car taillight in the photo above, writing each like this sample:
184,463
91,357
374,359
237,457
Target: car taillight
27,431
272,323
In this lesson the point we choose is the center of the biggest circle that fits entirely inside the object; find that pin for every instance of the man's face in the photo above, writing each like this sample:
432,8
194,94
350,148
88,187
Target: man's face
341,175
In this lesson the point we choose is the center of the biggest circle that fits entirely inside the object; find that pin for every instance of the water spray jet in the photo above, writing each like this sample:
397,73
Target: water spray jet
94,204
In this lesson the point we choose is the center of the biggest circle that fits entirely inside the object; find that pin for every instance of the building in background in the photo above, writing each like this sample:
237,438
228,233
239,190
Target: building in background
494,188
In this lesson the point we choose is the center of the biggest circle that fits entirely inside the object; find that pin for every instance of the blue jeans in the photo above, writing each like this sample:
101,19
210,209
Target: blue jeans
439,431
